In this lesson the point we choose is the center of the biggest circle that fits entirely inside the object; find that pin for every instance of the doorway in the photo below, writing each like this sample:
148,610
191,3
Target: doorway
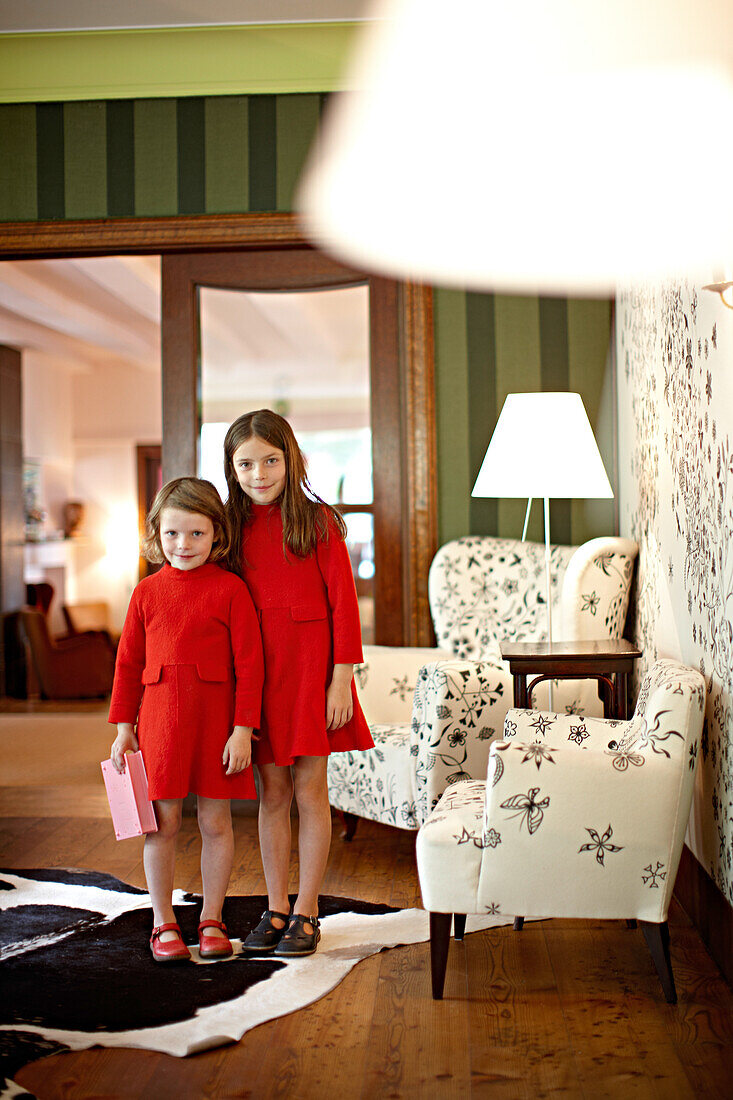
402,460
304,354
272,248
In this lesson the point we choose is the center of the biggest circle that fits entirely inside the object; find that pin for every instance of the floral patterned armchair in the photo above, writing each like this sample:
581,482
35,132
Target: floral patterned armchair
434,712
577,818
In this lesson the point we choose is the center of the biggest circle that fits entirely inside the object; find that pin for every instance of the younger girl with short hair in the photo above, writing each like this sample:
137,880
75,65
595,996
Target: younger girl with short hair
189,674
289,546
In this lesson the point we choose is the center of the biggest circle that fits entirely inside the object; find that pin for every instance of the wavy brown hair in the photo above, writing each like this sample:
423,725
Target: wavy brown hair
306,518
190,494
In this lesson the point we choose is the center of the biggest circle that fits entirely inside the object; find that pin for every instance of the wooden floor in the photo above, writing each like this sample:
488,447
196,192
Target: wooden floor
564,1008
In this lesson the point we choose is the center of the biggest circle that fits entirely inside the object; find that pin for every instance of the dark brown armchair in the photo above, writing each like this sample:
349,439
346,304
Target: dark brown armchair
80,667
92,615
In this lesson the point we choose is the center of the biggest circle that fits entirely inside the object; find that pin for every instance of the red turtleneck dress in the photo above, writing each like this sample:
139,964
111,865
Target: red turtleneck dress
191,651
309,617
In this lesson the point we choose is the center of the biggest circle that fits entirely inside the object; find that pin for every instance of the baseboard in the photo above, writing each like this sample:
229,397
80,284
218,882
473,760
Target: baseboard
708,909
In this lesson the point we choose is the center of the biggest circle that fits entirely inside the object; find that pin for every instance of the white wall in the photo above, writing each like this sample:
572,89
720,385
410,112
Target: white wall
675,384
47,430
113,410
83,428
106,558
117,402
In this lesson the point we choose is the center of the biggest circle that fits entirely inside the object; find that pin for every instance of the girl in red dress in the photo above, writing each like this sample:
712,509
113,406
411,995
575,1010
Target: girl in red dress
189,674
289,546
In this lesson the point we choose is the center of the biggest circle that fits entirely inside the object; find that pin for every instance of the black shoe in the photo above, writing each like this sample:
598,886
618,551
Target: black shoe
295,940
265,937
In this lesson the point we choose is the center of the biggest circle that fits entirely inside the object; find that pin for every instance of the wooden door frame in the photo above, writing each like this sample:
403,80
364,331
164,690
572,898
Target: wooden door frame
405,391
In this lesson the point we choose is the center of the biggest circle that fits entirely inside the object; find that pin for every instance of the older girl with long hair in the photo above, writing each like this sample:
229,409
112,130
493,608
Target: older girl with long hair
289,546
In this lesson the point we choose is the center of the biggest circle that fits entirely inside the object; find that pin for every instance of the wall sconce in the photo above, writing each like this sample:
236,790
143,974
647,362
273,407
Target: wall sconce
725,289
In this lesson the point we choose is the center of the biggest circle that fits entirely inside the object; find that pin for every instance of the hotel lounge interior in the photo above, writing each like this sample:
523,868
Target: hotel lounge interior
171,256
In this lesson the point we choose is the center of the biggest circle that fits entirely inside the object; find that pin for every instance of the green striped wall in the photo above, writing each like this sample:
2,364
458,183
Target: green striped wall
490,345
228,154
148,157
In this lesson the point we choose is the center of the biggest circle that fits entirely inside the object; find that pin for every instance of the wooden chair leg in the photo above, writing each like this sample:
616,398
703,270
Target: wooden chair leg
657,940
518,924
439,942
459,925
349,821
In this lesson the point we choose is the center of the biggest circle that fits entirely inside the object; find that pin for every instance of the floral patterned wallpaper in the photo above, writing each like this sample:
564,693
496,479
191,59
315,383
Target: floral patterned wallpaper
675,384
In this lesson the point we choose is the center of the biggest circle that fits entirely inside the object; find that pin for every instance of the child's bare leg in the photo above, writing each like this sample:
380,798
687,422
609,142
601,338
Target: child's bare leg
159,861
276,796
217,854
314,830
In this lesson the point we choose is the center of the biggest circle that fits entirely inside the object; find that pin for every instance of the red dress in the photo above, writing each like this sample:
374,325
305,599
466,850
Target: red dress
191,651
309,617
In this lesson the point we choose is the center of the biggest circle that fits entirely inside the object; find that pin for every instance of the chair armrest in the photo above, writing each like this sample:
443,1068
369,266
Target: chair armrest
459,707
385,681
452,830
83,641
562,729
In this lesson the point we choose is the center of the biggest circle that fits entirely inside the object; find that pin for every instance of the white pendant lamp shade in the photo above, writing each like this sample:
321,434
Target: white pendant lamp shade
543,446
563,146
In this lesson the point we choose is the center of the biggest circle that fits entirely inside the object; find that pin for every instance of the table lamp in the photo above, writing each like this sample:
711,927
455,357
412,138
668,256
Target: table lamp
543,446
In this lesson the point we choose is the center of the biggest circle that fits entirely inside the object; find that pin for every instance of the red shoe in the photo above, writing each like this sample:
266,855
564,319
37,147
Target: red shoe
168,951
214,947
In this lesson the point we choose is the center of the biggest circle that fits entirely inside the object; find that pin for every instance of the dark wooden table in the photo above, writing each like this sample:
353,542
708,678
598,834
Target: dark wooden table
608,662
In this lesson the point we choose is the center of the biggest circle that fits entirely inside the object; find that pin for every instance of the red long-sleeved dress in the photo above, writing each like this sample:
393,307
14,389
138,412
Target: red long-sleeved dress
309,617
189,668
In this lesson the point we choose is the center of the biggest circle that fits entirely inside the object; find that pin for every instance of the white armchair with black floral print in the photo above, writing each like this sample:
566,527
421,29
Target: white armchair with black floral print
376,783
578,817
434,712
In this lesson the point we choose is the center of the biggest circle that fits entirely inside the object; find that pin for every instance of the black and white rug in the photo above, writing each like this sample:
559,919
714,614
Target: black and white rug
76,970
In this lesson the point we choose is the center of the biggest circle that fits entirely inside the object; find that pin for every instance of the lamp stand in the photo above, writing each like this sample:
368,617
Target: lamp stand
548,583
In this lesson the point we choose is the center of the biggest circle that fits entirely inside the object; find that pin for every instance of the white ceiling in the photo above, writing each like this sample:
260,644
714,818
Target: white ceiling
286,346
83,314
88,315
65,15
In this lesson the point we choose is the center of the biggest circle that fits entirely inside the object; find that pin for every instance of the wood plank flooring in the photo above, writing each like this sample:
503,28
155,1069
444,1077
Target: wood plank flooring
568,1009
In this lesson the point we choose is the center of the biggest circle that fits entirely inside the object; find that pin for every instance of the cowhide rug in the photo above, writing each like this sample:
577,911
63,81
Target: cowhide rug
76,970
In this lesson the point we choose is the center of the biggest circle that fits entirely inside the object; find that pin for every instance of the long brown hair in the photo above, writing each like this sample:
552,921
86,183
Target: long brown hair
306,518
190,494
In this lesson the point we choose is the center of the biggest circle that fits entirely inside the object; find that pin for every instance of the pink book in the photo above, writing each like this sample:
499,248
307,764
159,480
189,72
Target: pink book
132,810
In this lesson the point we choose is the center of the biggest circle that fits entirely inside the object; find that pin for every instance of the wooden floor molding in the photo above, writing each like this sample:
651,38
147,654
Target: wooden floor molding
708,909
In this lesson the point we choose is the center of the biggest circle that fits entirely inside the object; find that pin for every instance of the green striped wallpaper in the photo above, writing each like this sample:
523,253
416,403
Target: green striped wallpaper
228,154
490,345
147,157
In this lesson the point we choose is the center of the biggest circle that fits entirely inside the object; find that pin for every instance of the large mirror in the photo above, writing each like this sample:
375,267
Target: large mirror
304,354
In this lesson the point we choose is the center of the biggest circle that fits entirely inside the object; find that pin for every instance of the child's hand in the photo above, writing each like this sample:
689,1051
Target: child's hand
339,704
238,750
125,741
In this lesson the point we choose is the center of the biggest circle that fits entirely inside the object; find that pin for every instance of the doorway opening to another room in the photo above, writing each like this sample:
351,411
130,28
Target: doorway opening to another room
305,355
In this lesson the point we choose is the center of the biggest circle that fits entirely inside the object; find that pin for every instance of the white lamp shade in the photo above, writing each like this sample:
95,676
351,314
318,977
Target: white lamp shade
543,446
565,147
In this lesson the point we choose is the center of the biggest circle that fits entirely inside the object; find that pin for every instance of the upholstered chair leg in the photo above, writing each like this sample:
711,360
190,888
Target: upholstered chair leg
459,925
439,942
518,924
350,821
657,940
